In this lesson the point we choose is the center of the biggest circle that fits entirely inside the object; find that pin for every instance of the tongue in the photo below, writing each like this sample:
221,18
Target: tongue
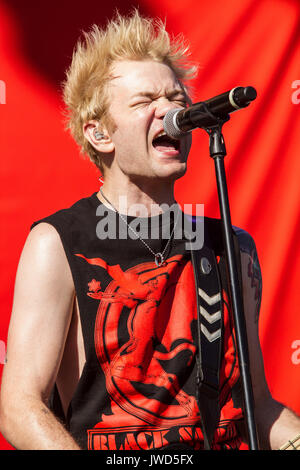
164,145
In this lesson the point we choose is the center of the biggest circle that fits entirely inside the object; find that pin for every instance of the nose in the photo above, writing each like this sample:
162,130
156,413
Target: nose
162,106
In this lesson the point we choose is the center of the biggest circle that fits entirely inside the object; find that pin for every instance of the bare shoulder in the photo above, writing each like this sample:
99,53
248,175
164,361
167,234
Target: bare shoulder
42,239
246,242
43,253
44,280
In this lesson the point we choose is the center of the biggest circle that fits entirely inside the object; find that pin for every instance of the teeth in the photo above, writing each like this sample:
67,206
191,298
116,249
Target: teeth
160,134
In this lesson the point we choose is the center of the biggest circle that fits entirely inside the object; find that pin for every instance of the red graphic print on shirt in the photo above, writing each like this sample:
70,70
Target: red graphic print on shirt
146,348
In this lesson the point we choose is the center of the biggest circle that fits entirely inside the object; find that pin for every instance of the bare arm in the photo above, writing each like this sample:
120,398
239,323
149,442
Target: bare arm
43,300
275,423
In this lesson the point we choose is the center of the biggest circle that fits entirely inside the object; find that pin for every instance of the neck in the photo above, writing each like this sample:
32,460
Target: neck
134,201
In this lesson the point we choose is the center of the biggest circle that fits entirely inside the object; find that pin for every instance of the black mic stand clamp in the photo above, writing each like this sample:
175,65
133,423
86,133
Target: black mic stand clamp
217,151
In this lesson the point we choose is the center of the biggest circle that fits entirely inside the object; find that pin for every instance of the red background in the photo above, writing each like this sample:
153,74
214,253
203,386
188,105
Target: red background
253,43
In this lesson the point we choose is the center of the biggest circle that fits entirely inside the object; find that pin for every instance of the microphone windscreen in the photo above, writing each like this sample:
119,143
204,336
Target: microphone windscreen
170,126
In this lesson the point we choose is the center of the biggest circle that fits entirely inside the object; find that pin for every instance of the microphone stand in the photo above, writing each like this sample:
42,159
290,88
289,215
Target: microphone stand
217,151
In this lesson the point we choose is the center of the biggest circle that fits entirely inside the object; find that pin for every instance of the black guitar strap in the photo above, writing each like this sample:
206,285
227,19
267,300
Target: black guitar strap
209,287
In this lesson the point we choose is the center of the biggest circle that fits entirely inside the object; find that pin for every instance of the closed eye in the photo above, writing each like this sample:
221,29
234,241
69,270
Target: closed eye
181,102
141,103
146,98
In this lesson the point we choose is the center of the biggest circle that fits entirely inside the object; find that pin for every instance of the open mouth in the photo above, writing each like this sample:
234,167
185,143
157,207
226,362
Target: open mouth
163,143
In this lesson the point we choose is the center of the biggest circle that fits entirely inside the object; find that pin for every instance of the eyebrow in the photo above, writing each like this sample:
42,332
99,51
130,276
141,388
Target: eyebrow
149,94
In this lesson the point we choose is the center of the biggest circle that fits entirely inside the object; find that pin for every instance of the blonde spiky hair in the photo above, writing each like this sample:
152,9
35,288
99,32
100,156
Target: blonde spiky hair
124,38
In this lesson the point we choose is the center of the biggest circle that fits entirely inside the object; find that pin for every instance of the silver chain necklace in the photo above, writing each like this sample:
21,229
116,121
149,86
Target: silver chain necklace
158,257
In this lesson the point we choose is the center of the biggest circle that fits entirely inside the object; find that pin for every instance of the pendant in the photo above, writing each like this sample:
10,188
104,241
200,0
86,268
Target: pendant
159,259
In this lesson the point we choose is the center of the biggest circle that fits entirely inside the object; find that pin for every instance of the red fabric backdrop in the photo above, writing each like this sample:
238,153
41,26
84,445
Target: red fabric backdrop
235,43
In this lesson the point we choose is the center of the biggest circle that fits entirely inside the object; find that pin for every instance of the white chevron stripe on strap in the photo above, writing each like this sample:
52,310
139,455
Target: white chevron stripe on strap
209,300
211,318
211,336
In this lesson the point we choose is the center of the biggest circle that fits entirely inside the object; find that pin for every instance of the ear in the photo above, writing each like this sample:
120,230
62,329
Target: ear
98,137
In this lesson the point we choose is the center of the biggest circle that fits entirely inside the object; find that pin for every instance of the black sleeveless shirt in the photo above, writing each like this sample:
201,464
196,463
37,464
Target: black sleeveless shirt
137,389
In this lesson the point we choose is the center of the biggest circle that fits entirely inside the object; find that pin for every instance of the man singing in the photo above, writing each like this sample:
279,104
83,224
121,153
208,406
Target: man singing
103,346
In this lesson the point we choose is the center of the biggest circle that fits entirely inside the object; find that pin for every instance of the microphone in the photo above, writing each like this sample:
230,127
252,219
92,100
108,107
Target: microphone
177,122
